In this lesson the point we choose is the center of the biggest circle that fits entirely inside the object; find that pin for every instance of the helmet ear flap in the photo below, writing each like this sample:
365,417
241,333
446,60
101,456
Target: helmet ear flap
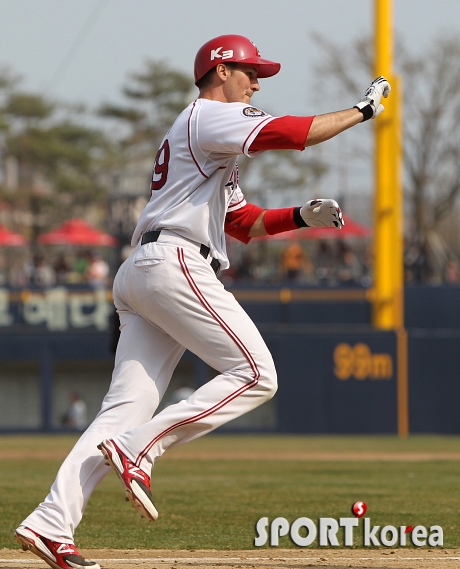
231,49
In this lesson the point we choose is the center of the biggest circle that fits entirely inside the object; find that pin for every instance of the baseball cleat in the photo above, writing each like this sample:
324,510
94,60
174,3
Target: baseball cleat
134,479
57,555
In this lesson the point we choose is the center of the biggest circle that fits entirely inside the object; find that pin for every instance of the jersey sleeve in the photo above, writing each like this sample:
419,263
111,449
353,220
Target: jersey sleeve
228,129
282,133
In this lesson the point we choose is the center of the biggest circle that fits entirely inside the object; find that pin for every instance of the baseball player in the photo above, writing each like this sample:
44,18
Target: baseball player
169,298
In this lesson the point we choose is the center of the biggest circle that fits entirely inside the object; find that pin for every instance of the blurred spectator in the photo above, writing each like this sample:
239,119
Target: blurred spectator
97,272
322,262
416,266
42,273
61,269
81,263
452,272
3,271
76,415
366,260
325,263
349,267
244,270
295,262
19,273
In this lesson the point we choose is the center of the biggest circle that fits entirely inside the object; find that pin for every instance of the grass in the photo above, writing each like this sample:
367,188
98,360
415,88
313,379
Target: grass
261,443
215,503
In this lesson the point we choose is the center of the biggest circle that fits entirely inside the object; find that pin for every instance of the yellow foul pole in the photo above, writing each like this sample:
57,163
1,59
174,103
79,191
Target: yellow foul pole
388,297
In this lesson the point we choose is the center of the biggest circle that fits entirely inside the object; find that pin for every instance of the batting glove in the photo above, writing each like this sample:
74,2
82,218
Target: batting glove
322,213
370,104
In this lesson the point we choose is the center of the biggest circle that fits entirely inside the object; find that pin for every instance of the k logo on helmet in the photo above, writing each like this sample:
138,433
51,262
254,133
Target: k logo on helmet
226,54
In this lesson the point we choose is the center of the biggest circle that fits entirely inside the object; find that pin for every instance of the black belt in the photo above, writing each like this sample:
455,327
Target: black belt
152,236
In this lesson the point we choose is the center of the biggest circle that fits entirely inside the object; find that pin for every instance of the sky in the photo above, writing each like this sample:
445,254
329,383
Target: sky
82,50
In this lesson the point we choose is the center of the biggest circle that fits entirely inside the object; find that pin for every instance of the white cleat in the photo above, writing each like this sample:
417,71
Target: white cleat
57,555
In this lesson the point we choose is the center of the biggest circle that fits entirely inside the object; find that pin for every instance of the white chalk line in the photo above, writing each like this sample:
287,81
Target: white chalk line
246,560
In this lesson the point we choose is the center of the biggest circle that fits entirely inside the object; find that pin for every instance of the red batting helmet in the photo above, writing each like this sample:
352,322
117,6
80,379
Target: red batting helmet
232,48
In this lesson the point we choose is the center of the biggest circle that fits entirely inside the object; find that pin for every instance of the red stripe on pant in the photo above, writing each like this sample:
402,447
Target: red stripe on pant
233,336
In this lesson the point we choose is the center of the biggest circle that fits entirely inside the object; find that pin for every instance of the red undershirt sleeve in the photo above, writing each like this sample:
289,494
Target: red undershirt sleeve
283,133
238,223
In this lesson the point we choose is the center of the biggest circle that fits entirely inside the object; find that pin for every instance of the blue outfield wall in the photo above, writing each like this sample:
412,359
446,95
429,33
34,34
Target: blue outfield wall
335,382
336,374
434,380
314,397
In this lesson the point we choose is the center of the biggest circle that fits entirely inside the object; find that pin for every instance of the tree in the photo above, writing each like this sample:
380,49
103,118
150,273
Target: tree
431,115
57,160
280,178
155,96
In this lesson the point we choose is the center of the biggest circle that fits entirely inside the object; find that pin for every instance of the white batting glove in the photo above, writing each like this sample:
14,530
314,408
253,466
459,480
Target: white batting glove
322,213
370,104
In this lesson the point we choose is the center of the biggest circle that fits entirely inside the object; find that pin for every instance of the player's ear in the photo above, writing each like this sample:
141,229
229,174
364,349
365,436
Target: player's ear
222,71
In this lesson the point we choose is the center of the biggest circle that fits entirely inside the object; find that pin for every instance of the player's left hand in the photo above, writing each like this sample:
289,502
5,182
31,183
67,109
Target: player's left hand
322,213
370,104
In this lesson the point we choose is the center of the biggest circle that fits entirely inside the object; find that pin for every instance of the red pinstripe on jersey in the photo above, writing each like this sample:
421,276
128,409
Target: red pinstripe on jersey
233,336
189,143
237,203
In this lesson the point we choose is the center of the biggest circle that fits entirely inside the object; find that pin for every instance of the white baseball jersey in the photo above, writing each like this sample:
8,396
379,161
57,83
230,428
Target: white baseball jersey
195,177
169,299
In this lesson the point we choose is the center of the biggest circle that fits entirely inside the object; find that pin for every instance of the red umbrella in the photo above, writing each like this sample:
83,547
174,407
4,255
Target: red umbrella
77,232
10,239
351,229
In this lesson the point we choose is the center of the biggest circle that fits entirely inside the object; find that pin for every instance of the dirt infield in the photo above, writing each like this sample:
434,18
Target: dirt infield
280,558
261,455
417,448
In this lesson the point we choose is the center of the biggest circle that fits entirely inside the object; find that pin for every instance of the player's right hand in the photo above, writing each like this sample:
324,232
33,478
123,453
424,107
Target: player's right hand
322,213
370,104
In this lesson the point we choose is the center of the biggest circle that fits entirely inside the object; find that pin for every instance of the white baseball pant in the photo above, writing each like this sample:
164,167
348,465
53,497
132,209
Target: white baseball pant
168,299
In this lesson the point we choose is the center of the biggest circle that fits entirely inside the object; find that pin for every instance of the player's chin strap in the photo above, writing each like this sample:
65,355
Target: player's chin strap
152,237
